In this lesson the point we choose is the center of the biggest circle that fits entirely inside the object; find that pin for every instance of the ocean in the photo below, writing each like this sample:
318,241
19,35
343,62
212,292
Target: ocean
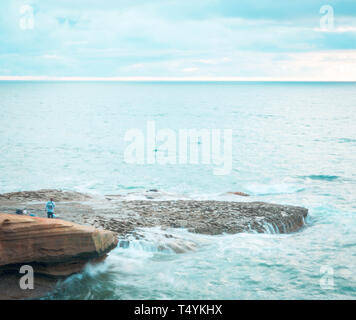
292,143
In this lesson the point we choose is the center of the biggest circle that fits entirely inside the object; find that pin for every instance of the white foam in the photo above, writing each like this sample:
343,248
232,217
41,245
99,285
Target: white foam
273,188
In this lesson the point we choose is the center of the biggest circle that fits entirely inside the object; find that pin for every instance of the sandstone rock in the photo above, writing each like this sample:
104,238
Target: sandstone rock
51,246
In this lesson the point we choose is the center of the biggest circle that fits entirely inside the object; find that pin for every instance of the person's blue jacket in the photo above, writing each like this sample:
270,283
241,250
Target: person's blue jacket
50,206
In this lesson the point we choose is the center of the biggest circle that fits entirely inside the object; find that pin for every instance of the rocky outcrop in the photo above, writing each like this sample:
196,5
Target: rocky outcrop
51,246
45,195
238,193
58,248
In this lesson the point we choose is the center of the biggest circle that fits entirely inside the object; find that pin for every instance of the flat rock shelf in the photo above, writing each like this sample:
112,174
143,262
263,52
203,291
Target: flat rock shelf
124,217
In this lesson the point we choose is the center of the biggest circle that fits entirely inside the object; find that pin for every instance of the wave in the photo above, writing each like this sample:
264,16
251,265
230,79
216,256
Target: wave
321,177
156,240
152,194
259,189
123,187
346,140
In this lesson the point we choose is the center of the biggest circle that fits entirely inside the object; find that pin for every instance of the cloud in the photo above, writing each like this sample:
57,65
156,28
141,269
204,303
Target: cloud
170,38
190,70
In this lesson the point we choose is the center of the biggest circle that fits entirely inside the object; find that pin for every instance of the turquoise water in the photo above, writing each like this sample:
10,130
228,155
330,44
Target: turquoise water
293,143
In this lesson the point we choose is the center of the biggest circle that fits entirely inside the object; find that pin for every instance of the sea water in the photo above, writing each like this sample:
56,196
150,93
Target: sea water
293,143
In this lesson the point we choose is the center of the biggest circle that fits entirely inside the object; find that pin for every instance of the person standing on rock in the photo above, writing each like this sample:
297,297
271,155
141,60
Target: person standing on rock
50,205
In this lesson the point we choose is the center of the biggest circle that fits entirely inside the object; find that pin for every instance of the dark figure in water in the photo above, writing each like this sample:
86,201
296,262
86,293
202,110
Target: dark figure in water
50,208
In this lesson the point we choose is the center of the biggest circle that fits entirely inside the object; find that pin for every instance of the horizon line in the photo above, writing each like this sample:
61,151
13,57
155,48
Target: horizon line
169,79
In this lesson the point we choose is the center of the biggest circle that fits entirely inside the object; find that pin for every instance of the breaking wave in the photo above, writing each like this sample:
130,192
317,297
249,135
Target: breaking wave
271,189
321,177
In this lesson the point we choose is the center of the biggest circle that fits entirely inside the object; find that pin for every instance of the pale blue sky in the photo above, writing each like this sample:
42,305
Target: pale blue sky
275,39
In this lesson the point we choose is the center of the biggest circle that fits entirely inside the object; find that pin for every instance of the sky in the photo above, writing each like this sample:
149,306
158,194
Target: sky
178,39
